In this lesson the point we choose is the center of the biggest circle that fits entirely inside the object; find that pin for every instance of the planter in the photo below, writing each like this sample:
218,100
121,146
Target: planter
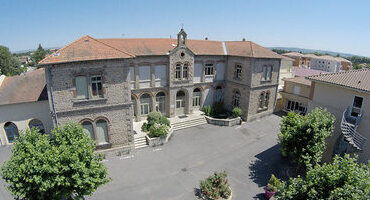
230,197
268,193
223,122
156,141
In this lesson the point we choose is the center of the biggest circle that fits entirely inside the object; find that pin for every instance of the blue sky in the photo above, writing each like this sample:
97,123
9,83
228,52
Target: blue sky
335,25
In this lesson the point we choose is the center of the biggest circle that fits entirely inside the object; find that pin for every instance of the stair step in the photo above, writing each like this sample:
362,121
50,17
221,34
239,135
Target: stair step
141,146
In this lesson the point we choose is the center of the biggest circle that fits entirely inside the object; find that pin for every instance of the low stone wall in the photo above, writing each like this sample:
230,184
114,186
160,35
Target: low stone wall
115,151
157,140
224,122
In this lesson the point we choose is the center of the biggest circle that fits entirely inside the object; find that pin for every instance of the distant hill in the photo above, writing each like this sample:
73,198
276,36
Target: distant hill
333,53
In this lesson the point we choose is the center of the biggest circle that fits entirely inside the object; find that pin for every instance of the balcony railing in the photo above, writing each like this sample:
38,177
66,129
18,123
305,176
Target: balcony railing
349,126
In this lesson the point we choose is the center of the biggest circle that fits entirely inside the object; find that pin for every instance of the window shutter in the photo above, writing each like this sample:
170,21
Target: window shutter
81,87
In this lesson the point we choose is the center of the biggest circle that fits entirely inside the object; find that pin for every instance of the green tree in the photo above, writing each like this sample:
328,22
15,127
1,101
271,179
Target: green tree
9,64
342,179
56,168
357,66
39,54
303,137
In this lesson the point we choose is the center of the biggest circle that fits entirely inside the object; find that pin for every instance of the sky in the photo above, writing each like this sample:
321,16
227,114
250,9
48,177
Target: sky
335,25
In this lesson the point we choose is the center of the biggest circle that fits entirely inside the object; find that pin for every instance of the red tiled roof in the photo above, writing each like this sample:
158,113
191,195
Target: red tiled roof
83,49
304,72
22,88
355,79
88,48
299,80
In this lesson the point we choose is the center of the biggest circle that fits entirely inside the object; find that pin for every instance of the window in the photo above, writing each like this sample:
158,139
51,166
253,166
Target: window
238,72
236,99
96,86
196,97
133,104
160,102
88,129
267,98
266,73
297,90
356,106
261,99
208,70
81,87
145,104
219,94
178,71
35,123
185,71
101,132
296,107
11,131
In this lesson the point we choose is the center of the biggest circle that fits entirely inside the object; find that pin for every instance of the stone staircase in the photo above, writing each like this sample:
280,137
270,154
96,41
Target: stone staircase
189,123
140,142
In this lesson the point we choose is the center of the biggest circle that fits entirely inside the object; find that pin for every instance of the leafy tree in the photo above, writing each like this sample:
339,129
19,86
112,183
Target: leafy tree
342,179
280,51
303,137
56,168
39,54
357,66
9,64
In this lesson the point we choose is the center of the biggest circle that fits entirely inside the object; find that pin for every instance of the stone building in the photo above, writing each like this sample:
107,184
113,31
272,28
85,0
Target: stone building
106,84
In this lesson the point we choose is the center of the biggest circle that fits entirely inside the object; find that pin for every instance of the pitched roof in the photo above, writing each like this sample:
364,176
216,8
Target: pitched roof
88,48
293,54
23,88
355,79
304,72
299,80
83,49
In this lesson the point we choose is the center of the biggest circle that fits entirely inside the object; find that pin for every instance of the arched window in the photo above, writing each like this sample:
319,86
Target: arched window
185,70
35,123
11,131
236,99
180,102
160,99
178,71
88,129
196,97
261,100
145,107
101,132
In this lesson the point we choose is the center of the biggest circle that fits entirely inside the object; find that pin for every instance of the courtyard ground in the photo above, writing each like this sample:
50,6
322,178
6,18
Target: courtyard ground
248,153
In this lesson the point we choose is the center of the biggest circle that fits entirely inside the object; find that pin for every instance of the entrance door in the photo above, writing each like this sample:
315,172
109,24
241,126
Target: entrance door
180,103
356,107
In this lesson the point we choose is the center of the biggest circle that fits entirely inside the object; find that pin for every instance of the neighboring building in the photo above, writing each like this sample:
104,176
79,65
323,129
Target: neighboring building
286,71
305,72
326,63
23,104
105,84
347,96
299,59
296,93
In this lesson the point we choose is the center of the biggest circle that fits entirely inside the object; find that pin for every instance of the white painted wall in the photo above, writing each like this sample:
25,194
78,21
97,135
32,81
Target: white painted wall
160,75
20,114
198,72
144,76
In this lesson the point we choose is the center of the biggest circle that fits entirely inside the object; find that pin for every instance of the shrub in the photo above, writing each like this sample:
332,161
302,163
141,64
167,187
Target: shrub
158,130
303,137
274,184
164,121
57,168
153,117
344,178
145,127
237,112
207,110
215,186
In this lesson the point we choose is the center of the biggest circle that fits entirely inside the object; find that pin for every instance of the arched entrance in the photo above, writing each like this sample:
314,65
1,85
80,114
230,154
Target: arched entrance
160,100
197,94
180,102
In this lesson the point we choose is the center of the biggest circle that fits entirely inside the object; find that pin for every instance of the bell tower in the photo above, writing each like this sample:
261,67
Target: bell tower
181,38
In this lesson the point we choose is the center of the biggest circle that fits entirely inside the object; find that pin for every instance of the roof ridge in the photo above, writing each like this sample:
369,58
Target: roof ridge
111,46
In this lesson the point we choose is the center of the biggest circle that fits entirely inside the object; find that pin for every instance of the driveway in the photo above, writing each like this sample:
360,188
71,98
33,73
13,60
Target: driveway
248,153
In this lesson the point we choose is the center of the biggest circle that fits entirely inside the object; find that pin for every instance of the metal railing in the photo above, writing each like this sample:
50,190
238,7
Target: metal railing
349,131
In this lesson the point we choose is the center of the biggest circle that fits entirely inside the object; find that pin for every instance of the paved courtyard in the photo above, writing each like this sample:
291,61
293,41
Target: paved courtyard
248,153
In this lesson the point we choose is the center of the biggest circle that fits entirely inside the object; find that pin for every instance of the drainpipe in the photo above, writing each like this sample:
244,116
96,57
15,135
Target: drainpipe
54,114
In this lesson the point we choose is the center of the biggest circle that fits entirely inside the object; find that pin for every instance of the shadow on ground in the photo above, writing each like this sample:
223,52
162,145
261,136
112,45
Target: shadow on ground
270,162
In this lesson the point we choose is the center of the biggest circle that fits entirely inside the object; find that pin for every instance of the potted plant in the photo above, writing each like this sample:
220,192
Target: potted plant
215,187
272,187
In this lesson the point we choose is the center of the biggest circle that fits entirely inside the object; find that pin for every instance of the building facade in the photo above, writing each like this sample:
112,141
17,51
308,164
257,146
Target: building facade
347,96
296,95
107,84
